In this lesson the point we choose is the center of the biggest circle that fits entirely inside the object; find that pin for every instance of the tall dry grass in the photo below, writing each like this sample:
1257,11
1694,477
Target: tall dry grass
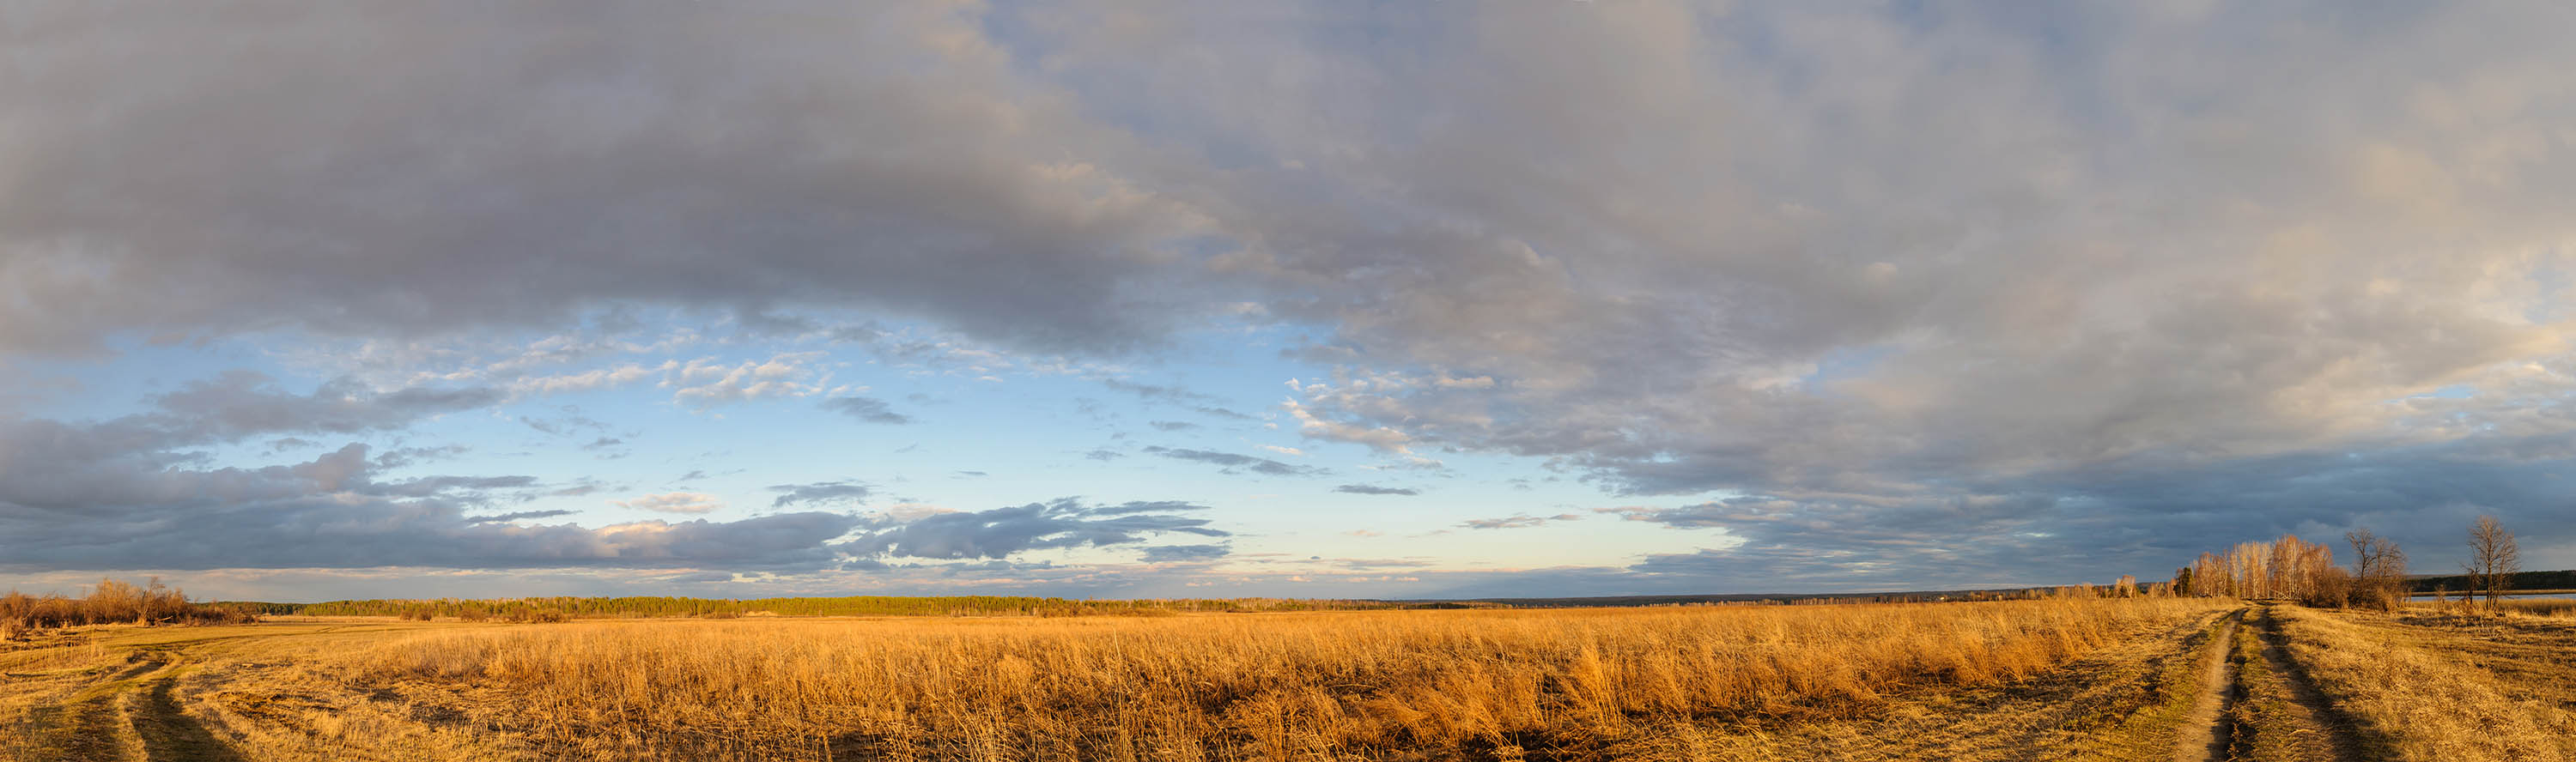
2423,703
1563,684
2554,607
2466,606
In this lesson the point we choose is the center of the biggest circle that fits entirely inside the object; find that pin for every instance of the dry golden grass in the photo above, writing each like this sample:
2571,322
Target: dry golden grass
2136,699
2063,679
1568,684
2442,688
2557,607
2465,606
2079,679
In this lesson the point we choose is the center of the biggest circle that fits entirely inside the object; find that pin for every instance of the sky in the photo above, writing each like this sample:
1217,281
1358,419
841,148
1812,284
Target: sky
1171,299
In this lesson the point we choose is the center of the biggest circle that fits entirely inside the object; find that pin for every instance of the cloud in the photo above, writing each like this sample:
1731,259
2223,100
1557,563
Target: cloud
242,403
1002,532
1232,461
586,381
1146,506
109,498
1172,425
1370,489
400,457
1172,553
1103,455
819,492
517,516
867,409
705,382
693,578
1983,273
1382,438
983,201
1157,392
1517,521
674,502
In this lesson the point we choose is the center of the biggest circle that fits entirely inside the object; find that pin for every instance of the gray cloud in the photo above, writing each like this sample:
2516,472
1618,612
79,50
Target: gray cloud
1171,425
400,457
1169,553
126,493
843,171
1146,506
1371,489
103,513
1517,521
699,577
517,515
867,409
819,492
1907,279
1194,401
428,486
1004,531
1157,392
240,404
1231,461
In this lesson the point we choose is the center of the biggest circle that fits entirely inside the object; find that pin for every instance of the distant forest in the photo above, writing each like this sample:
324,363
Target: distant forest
558,608
2530,580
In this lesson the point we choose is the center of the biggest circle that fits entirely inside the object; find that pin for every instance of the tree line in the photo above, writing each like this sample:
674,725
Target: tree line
2295,569
565,607
111,602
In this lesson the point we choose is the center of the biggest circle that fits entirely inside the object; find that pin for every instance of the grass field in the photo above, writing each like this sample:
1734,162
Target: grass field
2151,678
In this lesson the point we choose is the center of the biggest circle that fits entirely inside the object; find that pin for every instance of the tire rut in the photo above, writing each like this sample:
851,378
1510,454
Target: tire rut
2319,712
128,714
90,724
2211,726
167,733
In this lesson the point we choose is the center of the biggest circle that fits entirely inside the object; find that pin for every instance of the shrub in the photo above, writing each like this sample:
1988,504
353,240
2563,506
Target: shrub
111,602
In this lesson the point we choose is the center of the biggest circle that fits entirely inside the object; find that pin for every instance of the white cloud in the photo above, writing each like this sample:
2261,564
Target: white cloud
674,502
705,382
590,380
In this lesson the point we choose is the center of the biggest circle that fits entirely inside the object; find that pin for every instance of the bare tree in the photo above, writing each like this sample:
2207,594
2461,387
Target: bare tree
2211,578
2362,541
2492,558
2378,569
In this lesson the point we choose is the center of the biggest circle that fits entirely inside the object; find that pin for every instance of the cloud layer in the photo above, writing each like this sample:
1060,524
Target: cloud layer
1844,292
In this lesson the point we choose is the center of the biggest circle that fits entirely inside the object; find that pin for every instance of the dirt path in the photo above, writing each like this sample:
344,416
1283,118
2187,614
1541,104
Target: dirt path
125,714
2207,732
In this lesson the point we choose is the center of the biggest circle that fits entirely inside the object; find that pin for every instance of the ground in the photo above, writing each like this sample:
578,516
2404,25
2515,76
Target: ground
2259,682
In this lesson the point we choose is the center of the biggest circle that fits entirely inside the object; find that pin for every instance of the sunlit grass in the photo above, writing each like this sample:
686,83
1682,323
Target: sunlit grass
1380,685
